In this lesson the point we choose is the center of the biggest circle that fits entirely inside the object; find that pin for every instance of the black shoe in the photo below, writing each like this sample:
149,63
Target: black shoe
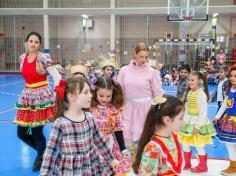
37,163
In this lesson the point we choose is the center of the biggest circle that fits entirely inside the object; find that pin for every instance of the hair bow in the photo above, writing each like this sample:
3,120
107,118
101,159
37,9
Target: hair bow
60,89
158,100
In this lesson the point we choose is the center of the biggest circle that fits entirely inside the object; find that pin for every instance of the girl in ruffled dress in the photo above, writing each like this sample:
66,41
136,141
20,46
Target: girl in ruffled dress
107,104
197,130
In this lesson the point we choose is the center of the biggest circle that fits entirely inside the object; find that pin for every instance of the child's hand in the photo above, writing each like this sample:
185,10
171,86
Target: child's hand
214,121
195,131
114,164
126,153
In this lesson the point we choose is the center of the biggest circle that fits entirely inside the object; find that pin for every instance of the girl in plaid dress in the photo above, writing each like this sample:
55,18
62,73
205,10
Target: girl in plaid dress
75,137
107,105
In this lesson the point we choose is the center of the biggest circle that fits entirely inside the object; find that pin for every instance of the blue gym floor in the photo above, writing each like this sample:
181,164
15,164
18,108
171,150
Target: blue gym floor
17,159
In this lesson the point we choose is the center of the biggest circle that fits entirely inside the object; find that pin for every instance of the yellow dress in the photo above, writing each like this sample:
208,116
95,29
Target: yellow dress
196,117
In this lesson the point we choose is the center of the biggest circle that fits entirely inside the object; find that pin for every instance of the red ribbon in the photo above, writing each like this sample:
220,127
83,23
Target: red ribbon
60,89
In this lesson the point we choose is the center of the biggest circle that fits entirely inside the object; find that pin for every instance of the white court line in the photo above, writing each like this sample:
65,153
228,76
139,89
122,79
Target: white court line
7,110
6,121
6,75
5,93
11,83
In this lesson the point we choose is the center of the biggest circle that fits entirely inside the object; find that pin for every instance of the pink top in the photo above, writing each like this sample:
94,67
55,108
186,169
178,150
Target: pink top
140,84
108,118
140,81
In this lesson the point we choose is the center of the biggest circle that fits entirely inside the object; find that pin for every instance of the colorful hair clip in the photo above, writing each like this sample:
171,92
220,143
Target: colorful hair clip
158,100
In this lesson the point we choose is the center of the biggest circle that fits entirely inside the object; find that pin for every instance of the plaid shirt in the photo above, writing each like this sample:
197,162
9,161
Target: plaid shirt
224,86
182,89
72,149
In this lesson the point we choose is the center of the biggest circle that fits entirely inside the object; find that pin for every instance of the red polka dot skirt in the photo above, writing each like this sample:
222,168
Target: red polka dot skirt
35,107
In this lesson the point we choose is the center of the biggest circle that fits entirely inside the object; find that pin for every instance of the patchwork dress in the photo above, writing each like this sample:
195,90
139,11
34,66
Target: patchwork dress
109,120
162,156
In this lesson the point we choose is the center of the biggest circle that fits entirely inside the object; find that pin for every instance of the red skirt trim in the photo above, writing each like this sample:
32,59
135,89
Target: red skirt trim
34,117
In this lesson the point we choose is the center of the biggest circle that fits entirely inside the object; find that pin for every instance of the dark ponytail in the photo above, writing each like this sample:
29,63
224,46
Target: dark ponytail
172,107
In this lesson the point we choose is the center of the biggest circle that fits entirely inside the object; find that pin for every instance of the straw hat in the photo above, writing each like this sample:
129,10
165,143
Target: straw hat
79,68
153,63
107,59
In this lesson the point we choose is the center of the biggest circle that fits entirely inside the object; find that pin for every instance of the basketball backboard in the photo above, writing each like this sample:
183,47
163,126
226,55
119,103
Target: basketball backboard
187,10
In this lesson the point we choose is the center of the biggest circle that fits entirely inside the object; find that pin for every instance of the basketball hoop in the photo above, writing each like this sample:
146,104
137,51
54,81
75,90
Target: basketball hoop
187,10
187,18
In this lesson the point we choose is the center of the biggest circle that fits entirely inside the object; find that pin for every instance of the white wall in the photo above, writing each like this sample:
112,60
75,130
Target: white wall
224,26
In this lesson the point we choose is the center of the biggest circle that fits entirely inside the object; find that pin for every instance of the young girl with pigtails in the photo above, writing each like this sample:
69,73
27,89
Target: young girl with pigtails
107,104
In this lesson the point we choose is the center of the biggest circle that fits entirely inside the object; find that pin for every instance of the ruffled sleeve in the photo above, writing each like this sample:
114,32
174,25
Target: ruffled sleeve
43,62
46,60
21,60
